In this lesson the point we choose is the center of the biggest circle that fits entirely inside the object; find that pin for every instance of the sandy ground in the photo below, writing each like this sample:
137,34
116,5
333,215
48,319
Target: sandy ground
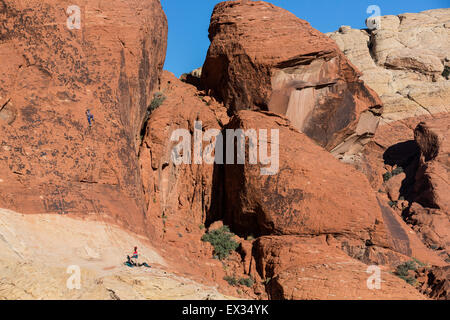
38,252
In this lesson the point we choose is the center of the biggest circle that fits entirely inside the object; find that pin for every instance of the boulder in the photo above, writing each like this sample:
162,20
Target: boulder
432,180
263,57
52,71
310,194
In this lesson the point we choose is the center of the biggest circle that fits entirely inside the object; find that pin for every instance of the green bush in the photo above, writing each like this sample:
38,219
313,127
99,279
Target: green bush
402,270
397,171
392,203
158,99
248,282
222,241
388,175
446,72
232,281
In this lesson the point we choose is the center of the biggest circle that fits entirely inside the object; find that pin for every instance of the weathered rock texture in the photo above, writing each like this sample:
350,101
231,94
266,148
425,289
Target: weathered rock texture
181,193
264,58
50,160
179,197
296,268
431,188
406,61
36,251
432,181
417,148
312,194
434,282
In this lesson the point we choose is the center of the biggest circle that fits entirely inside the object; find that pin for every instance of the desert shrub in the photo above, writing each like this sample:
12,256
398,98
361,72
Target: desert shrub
402,271
392,203
397,171
222,241
158,99
388,175
446,72
248,282
232,281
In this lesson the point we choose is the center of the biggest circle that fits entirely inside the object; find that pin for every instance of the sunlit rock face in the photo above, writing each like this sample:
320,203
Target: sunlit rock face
265,58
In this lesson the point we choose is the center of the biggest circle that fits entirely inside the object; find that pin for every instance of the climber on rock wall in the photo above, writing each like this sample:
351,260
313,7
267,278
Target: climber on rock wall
90,117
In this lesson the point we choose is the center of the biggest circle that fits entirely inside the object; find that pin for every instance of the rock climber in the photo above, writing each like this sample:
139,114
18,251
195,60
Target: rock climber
135,256
90,117
133,261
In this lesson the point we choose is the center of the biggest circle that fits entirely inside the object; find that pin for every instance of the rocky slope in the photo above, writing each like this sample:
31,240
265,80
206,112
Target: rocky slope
37,250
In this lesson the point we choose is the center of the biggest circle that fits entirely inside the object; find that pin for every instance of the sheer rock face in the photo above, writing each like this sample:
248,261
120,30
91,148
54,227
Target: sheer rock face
50,160
264,58
406,61
182,193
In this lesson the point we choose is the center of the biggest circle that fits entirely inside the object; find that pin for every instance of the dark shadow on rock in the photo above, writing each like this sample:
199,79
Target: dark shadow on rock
406,155
218,205
401,154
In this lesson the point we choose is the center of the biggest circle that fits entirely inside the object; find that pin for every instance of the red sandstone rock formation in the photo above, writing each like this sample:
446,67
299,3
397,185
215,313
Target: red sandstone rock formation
264,58
432,180
434,282
181,193
318,221
301,268
419,146
50,160
312,194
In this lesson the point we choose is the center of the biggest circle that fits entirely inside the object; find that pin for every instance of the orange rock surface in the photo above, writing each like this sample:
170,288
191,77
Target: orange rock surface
263,57
51,160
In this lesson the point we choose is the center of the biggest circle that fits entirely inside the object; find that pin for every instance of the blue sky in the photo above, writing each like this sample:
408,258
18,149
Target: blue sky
189,20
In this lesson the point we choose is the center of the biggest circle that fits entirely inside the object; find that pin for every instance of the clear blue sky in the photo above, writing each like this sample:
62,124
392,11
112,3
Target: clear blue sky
189,21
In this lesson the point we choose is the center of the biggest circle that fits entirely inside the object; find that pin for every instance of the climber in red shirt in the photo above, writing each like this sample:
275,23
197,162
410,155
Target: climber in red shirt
135,256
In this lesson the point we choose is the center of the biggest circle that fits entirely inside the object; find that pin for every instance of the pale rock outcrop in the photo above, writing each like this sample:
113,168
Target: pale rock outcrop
405,61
